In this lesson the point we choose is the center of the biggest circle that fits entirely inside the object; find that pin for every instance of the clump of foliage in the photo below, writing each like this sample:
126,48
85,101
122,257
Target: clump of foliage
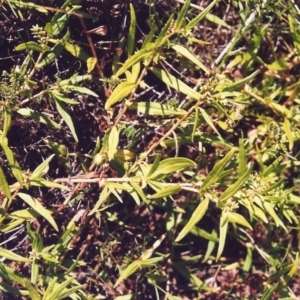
193,160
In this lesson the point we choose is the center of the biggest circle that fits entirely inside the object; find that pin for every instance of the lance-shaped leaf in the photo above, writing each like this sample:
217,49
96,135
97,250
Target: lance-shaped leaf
241,82
190,56
234,188
13,164
237,218
32,114
223,234
171,165
200,16
131,269
13,256
196,217
156,109
242,158
131,31
63,111
4,187
181,16
38,207
31,45
209,121
270,210
113,142
175,83
217,171
42,169
167,191
119,93
139,56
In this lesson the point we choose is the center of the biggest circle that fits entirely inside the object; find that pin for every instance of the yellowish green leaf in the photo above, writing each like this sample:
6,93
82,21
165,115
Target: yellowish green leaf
190,56
175,83
167,191
38,207
195,218
156,109
119,93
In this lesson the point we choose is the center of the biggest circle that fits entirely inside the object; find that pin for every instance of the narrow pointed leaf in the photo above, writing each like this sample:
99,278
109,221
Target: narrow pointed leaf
13,256
234,188
139,56
180,19
237,218
216,173
131,31
131,269
38,207
42,169
63,111
196,217
175,83
170,165
168,191
156,109
4,187
190,56
13,164
200,16
223,234
209,121
119,93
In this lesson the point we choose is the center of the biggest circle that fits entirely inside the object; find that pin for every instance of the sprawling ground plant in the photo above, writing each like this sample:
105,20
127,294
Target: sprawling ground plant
191,166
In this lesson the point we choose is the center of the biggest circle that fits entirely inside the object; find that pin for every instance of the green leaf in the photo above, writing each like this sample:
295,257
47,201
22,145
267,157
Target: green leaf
38,207
209,121
42,169
139,56
288,131
215,19
163,33
204,234
241,82
270,210
59,21
4,187
82,90
200,16
217,171
223,234
242,158
113,142
156,109
63,111
59,289
32,114
76,51
234,188
61,97
295,266
181,17
91,62
154,166
237,218
119,93
190,56
167,191
13,256
195,218
13,164
31,45
102,198
31,289
170,165
175,83
131,269
131,31
139,191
